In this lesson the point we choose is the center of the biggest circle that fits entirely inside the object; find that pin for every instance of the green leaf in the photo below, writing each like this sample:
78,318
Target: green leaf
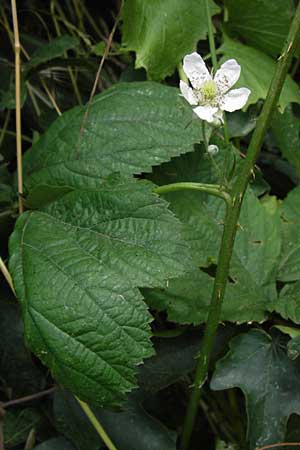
76,266
162,33
129,128
53,49
286,131
263,24
258,364
7,88
258,81
132,428
289,267
17,425
58,443
251,290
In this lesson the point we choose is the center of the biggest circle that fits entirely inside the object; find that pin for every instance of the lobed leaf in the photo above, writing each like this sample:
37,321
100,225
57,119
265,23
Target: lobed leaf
258,364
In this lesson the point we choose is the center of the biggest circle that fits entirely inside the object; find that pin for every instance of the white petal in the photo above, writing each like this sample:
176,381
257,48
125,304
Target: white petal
227,75
196,70
206,113
235,99
188,93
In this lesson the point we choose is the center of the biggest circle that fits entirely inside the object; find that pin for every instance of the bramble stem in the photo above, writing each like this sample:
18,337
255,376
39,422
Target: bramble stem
96,424
18,103
230,226
6,275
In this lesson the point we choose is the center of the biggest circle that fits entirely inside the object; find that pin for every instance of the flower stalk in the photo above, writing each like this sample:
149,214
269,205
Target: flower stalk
231,221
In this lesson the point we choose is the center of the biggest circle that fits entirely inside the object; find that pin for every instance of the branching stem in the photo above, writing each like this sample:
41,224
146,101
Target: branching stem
231,221
212,189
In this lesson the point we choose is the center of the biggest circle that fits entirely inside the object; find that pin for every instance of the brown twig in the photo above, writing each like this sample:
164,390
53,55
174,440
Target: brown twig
104,56
28,398
18,103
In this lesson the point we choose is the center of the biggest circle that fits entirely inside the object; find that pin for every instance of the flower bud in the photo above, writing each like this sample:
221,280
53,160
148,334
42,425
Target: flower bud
212,149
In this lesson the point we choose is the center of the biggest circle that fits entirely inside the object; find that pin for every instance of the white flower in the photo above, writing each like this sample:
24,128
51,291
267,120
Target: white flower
212,95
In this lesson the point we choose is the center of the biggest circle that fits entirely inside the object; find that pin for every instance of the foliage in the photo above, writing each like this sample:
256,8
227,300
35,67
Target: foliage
113,275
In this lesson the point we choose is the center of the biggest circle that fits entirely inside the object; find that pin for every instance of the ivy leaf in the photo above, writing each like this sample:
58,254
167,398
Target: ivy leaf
251,290
263,24
129,128
258,364
160,40
53,49
258,81
76,266
286,131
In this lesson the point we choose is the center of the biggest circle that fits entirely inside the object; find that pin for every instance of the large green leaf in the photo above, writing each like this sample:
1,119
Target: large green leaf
286,131
129,128
251,291
259,365
76,265
264,24
162,32
258,81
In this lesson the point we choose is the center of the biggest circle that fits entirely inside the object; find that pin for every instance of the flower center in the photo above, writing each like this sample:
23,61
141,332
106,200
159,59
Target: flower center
209,90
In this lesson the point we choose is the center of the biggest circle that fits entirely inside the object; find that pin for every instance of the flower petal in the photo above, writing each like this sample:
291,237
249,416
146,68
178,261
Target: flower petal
235,99
196,70
206,112
188,93
227,75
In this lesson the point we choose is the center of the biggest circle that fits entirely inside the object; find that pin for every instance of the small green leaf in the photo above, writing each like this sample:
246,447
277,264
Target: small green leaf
286,131
51,50
263,24
258,81
76,266
129,128
162,33
258,364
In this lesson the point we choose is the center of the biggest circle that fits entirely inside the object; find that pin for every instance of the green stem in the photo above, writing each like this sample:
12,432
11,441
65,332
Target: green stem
231,222
96,424
212,189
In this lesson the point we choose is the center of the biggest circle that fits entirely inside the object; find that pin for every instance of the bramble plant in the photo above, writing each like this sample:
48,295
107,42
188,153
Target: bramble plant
151,243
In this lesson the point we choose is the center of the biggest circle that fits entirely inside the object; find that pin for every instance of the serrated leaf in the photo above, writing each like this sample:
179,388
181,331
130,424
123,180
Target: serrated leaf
76,266
129,128
160,40
258,364
286,131
263,24
251,290
258,81
53,49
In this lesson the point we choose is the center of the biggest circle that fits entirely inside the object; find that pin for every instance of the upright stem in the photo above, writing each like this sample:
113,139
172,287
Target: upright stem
211,39
231,221
18,103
